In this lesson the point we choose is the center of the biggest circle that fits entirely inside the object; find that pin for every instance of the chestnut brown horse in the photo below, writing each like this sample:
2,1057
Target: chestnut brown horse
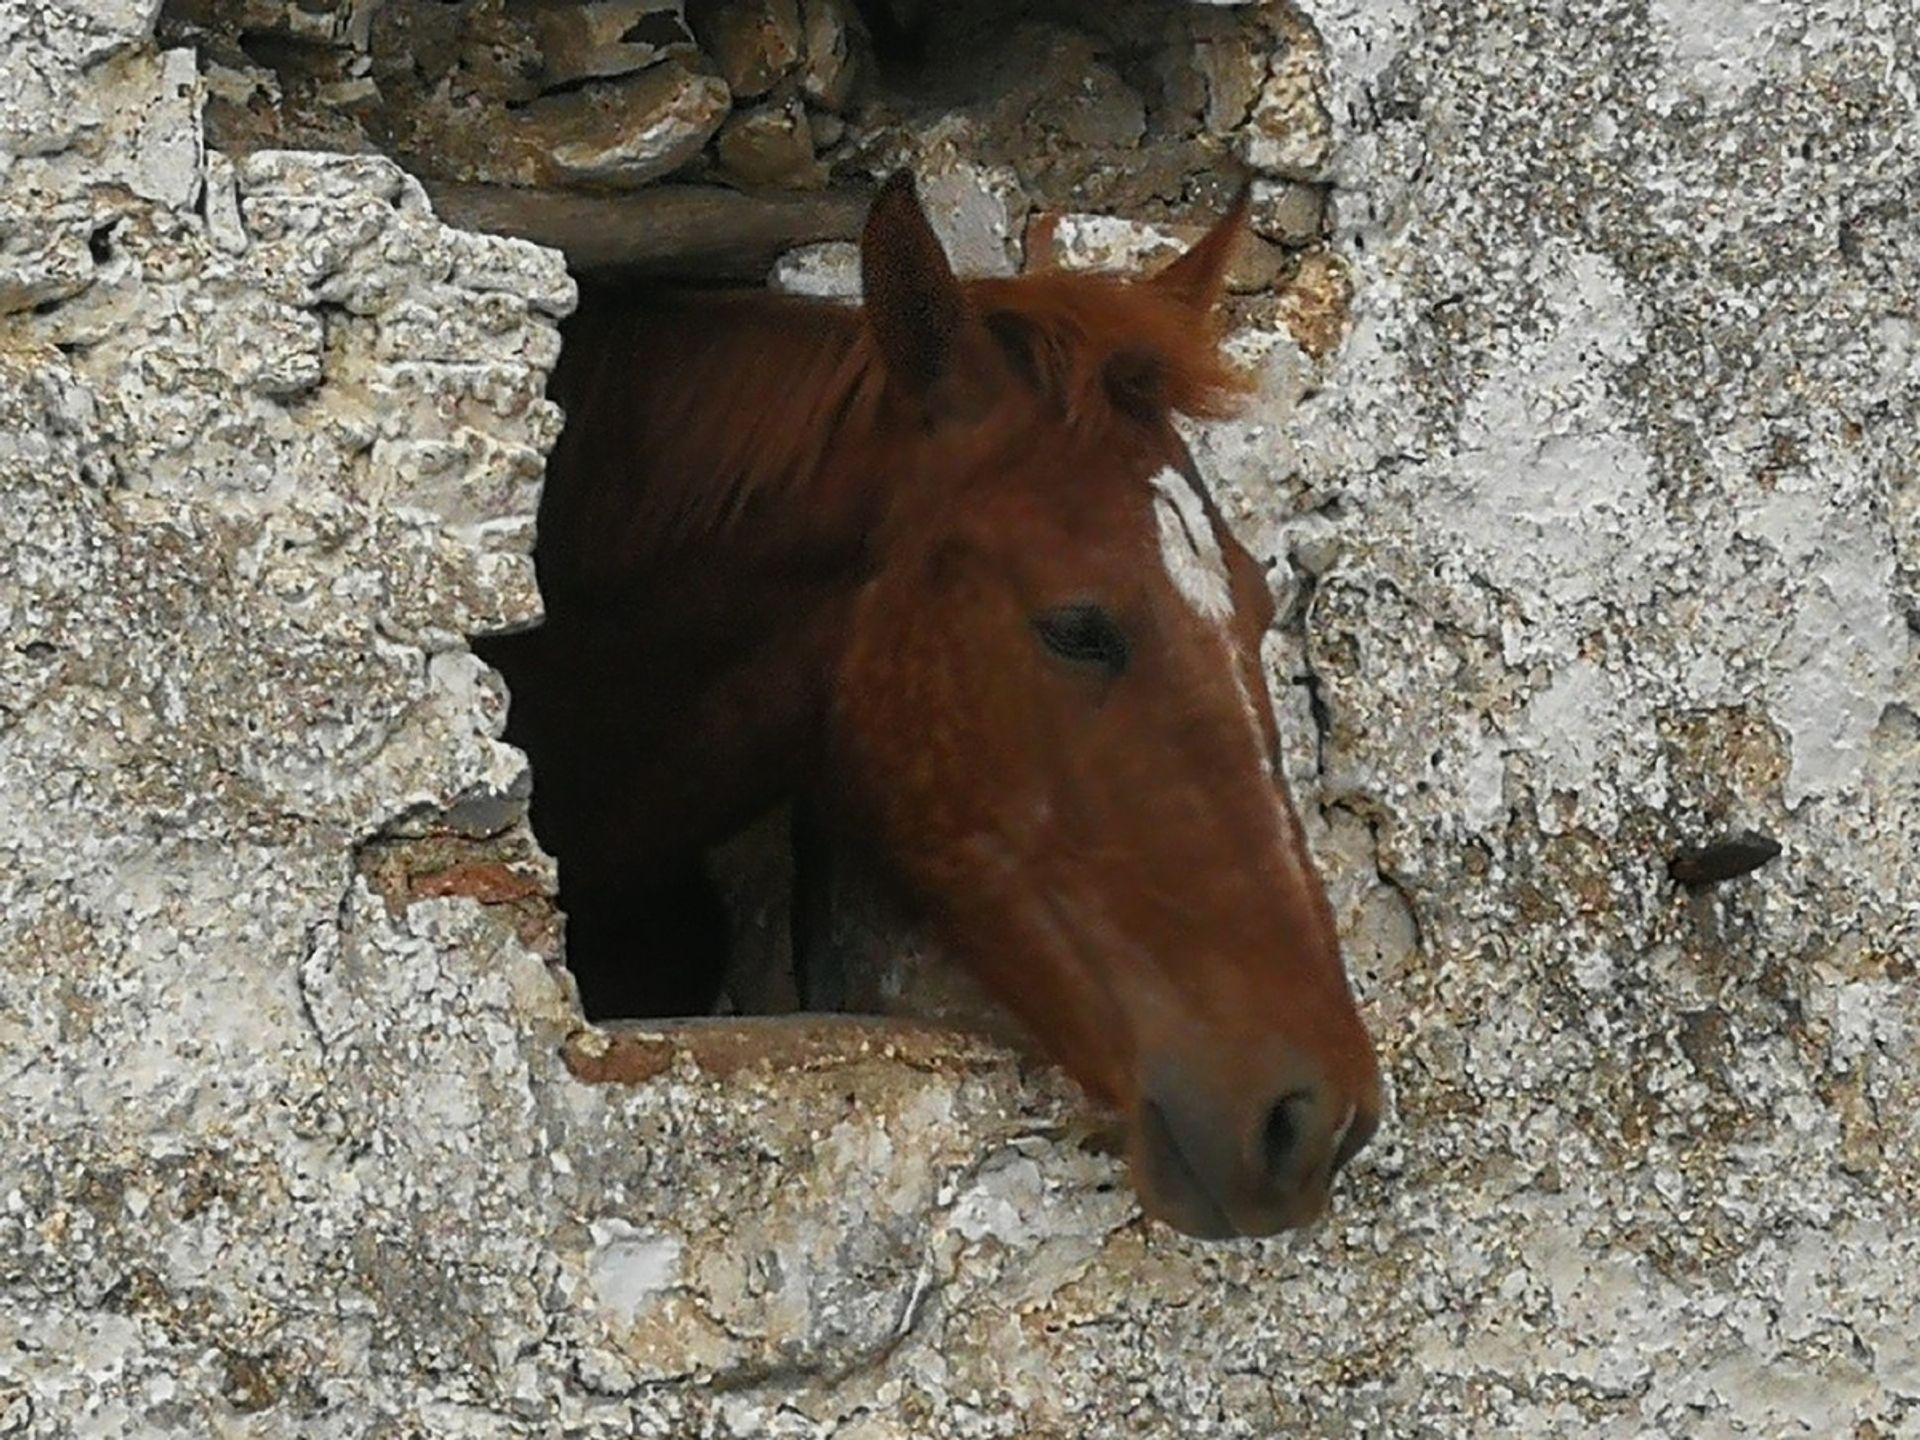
942,568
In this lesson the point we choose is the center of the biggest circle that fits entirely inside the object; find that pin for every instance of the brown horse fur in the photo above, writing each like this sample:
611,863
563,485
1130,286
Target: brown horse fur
941,570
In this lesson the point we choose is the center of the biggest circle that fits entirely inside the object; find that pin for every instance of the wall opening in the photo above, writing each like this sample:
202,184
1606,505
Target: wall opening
735,142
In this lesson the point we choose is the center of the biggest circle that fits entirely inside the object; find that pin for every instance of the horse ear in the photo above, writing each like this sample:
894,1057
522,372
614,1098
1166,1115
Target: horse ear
1198,278
915,306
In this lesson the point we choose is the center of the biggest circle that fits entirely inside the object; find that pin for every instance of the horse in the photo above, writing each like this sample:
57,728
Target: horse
940,570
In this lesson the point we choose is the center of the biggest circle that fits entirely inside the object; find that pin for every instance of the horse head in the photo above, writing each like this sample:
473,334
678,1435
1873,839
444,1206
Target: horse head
1052,719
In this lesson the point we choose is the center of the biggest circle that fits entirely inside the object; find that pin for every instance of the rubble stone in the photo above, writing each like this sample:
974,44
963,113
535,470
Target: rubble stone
832,64
600,39
830,269
624,133
1290,134
770,145
1288,212
754,42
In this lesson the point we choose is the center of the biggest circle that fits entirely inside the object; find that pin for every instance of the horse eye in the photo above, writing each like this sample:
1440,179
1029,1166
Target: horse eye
1084,634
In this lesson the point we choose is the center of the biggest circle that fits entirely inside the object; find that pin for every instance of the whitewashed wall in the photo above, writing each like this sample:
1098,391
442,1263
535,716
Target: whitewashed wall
1603,521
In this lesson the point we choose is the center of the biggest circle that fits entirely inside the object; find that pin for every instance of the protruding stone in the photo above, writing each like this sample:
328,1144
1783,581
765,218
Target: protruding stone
152,141
967,205
355,93
1232,72
606,38
220,206
1725,859
1316,303
828,129
770,145
1290,134
1183,89
357,28
1093,106
830,270
828,77
754,42
37,270
1289,212
627,133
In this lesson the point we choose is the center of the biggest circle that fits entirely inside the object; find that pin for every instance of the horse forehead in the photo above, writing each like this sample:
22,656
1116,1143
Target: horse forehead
1190,546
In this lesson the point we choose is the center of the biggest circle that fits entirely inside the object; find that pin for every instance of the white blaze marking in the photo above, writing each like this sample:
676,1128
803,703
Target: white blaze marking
1197,565
1194,561
1189,549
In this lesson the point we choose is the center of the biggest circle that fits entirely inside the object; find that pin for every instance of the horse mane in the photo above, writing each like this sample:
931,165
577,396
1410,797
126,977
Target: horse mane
1107,349
758,392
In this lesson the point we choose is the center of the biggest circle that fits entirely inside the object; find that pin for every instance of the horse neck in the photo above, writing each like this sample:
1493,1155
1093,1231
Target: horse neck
709,438
702,537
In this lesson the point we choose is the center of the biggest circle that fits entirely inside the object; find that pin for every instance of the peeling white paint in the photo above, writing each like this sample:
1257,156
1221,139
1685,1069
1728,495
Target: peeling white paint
632,1268
1719,48
1837,647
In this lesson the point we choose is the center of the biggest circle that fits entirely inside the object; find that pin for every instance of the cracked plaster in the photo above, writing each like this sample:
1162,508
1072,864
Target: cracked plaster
1598,533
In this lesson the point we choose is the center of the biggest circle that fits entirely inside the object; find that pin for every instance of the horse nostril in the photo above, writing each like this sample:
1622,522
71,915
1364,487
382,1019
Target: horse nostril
1353,1140
1281,1136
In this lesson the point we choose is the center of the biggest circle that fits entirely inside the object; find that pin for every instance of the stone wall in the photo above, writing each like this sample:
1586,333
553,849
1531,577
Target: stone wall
1588,444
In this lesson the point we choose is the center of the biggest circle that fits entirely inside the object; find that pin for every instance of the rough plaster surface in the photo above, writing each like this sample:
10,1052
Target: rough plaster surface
1601,536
